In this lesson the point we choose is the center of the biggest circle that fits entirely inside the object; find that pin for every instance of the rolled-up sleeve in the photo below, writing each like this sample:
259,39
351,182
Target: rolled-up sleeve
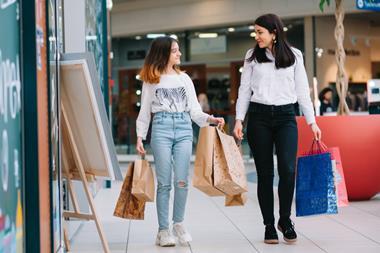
143,120
302,88
245,91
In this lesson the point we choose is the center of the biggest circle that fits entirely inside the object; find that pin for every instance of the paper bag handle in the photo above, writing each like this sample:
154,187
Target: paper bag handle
220,128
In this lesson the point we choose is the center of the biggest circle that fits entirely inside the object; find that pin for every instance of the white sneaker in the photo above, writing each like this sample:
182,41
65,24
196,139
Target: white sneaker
183,236
165,238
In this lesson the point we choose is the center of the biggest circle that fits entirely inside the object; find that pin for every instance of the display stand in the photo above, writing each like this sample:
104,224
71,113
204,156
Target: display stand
88,151
84,178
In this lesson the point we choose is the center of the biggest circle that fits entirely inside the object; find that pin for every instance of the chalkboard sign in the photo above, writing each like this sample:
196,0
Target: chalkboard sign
11,219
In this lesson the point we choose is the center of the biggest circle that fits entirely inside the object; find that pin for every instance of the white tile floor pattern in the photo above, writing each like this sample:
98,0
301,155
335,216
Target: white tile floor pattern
216,228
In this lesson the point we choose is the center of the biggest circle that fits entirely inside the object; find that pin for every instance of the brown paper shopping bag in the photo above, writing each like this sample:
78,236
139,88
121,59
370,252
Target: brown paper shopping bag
143,181
203,178
128,206
229,171
236,200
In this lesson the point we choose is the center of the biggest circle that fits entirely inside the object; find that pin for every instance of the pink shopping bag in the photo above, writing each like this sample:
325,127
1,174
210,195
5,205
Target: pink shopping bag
340,184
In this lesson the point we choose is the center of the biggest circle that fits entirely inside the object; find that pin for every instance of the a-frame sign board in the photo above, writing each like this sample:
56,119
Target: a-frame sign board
87,146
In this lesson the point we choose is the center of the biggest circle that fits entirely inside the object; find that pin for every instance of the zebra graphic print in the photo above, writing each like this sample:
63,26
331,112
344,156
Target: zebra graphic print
173,98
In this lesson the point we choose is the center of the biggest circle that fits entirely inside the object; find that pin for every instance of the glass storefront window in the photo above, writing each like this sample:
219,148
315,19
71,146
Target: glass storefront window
55,47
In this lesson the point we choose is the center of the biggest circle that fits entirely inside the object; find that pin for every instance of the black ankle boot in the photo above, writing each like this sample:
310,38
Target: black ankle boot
271,236
286,227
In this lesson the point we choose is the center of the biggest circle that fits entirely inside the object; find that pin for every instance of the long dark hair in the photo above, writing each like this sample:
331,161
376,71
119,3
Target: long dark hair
283,54
323,92
157,59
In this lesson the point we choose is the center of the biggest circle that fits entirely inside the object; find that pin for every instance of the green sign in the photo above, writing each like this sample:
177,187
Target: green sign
11,219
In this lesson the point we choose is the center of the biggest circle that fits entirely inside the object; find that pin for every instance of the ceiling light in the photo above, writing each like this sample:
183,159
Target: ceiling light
138,37
154,35
251,27
109,4
208,35
253,34
231,29
285,29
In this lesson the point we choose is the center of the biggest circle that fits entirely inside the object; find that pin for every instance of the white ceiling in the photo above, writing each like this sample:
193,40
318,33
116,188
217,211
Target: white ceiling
133,17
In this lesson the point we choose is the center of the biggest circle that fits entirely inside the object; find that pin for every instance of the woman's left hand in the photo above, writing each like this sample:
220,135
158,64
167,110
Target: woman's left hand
219,121
316,131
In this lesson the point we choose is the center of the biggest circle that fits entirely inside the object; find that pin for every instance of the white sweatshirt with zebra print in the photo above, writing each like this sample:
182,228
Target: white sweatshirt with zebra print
174,93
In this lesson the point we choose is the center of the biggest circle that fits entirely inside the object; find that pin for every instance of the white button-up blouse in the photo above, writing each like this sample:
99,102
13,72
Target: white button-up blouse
263,83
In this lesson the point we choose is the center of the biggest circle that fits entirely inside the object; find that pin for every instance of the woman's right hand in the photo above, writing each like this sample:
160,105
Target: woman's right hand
238,129
140,146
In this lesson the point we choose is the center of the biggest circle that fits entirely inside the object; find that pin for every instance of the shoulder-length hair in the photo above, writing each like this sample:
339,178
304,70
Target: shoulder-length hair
157,59
283,54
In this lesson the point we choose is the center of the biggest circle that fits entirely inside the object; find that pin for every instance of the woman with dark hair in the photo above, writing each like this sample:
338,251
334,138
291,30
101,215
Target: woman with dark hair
272,81
325,96
169,94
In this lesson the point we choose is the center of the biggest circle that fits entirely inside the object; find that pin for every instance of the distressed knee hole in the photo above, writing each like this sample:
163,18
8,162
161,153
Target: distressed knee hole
181,184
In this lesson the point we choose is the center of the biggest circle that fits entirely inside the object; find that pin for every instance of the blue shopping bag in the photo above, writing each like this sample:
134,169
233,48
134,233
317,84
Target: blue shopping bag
315,188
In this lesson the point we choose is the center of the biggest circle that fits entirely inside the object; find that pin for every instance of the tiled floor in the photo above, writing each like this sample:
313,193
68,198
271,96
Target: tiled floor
216,228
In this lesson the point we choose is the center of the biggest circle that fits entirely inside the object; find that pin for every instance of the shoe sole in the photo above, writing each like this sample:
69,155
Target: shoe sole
273,241
166,245
286,239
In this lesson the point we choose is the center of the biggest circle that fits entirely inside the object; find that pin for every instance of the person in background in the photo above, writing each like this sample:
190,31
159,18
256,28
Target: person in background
272,81
325,96
169,94
203,101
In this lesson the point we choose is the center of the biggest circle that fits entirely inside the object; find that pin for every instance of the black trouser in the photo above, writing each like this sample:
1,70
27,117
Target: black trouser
267,126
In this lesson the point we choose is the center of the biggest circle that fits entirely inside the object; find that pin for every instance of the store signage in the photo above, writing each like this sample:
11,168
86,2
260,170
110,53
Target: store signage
11,204
208,45
6,3
373,5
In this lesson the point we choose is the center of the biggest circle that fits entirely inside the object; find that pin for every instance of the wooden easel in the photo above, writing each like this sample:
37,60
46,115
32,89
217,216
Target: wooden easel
79,173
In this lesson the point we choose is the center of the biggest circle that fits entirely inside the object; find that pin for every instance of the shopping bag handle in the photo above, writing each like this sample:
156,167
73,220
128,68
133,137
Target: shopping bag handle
317,147
220,128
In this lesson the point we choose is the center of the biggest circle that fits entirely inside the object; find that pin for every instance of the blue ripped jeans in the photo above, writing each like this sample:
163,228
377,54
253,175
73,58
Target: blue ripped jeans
171,142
